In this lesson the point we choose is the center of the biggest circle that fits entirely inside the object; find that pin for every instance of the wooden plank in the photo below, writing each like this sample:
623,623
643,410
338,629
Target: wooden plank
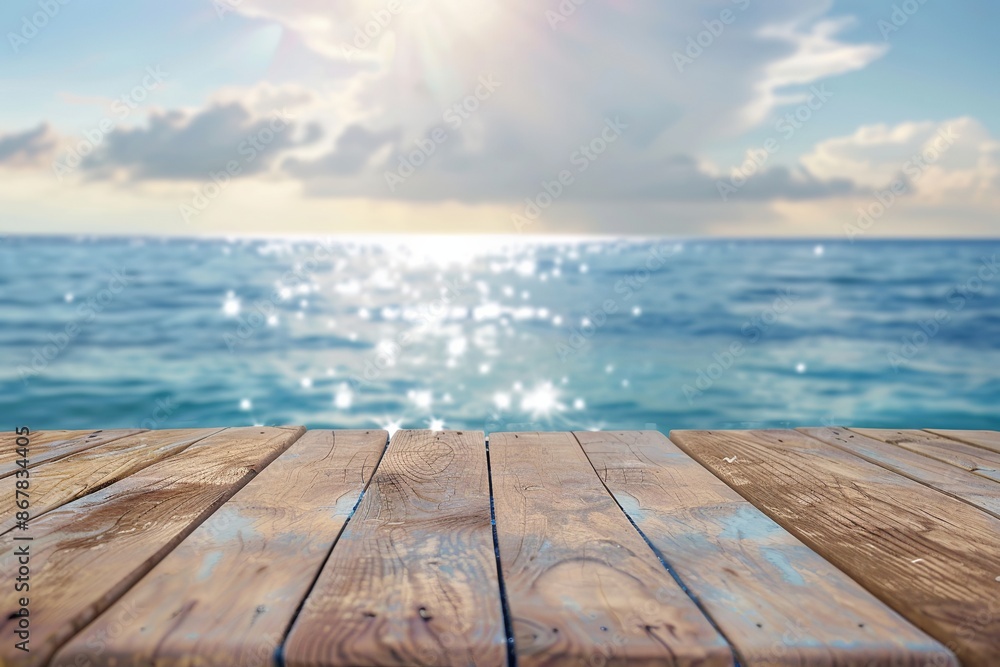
944,477
57,483
777,601
8,441
986,439
228,593
932,558
87,553
53,445
413,579
971,458
582,585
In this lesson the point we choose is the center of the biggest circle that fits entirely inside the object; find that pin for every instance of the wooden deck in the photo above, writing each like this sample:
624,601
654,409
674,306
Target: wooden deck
277,546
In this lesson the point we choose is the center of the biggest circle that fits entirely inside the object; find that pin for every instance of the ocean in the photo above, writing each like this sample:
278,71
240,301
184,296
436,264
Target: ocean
498,333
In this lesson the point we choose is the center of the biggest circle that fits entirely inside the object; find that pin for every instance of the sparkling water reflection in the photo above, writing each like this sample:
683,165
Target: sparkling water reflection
498,334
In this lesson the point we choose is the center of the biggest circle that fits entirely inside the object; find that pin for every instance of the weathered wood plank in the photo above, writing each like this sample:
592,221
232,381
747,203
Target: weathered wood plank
228,593
986,439
582,585
59,482
932,558
976,459
776,600
945,477
53,445
413,579
8,440
39,439
87,553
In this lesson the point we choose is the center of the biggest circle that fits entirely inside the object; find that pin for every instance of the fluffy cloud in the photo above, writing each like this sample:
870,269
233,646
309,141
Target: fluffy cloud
175,145
30,148
353,151
957,158
416,69
371,86
379,167
431,56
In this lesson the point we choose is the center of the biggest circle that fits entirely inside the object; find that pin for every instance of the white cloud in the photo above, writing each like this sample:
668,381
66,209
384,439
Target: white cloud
817,54
939,161
558,86
602,59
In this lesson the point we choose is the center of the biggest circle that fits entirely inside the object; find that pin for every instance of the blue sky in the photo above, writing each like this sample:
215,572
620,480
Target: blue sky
273,116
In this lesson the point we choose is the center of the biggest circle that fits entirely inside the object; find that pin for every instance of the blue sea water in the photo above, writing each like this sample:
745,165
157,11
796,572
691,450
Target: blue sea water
498,334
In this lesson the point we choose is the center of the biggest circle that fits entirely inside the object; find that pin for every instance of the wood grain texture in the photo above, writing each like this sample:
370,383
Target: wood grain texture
972,458
228,593
87,553
944,477
932,558
53,445
777,601
59,482
583,586
413,579
986,439
8,441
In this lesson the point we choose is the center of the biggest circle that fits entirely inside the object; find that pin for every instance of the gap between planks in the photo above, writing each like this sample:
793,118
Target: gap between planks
280,652
738,661
413,578
230,591
49,446
57,482
82,578
753,578
583,585
508,623
840,503
937,474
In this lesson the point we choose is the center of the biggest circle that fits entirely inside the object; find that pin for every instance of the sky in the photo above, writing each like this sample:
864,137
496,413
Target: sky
852,119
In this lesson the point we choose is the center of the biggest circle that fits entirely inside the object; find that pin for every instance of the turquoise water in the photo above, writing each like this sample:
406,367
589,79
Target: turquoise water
497,335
